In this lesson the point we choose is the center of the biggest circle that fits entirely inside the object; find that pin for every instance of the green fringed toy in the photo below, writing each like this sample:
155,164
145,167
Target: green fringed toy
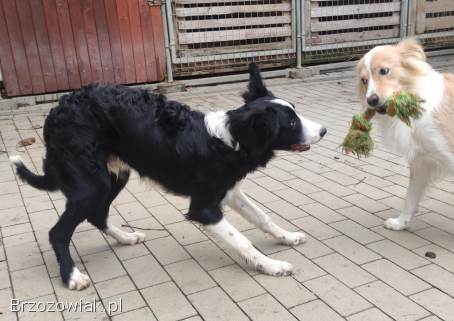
402,104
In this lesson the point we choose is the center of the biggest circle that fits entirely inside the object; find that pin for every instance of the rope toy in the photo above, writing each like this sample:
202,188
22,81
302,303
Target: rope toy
402,104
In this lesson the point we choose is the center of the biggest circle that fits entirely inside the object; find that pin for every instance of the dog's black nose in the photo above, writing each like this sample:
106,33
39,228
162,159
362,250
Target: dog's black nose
323,131
373,100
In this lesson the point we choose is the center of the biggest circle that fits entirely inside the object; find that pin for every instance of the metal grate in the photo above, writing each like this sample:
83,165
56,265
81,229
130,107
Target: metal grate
432,21
344,29
216,36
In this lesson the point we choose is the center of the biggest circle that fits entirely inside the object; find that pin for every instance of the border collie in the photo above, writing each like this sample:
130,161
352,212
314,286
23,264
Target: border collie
97,133
429,143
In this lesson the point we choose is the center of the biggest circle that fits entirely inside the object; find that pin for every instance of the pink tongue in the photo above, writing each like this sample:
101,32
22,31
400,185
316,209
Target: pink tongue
300,147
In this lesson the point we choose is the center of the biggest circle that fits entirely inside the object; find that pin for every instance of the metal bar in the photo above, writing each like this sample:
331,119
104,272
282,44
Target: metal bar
294,24
167,45
171,29
351,44
299,19
233,55
404,18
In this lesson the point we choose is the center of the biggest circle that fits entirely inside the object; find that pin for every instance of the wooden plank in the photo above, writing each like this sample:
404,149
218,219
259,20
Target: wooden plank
218,10
67,40
42,39
439,6
80,42
317,26
439,23
56,46
151,64
354,9
158,37
92,40
208,1
235,22
126,42
229,35
31,48
137,41
421,7
355,36
102,31
17,47
7,62
186,52
115,41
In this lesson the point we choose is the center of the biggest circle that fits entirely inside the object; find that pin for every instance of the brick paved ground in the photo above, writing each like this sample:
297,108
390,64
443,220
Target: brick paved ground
351,268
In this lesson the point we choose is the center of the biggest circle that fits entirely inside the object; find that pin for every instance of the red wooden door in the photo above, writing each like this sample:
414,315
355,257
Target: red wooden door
54,45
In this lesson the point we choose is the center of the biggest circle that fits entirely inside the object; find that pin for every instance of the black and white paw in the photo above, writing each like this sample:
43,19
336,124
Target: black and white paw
135,238
78,280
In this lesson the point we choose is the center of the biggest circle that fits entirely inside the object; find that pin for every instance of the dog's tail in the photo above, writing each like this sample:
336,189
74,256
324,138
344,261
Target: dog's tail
45,182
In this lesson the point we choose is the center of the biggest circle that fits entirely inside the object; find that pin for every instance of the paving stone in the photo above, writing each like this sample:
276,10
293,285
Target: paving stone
338,296
316,311
313,248
315,228
287,291
145,271
294,197
303,268
391,302
143,314
167,302
396,277
214,304
370,315
103,266
321,212
334,188
444,258
265,308
132,211
115,286
403,238
344,270
365,203
285,209
351,249
397,254
302,186
208,255
128,301
166,214
438,277
36,276
186,233
23,256
329,200
436,302
356,231
167,250
189,276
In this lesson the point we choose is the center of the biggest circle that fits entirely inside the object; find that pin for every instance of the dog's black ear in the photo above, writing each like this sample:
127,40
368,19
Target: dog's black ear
254,129
256,87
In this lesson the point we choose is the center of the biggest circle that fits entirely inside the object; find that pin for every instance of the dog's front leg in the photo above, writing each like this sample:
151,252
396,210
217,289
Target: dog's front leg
227,233
421,173
239,202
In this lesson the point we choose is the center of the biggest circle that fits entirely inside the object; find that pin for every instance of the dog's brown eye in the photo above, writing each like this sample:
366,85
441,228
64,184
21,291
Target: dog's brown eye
292,123
364,81
384,71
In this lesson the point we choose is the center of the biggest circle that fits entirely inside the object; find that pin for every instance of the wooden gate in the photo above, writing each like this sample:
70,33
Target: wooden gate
54,45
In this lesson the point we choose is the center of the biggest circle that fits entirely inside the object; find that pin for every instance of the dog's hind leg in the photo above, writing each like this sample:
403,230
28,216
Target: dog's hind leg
118,182
421,174
239,202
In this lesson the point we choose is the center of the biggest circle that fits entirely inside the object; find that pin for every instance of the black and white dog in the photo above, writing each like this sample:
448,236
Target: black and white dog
97,133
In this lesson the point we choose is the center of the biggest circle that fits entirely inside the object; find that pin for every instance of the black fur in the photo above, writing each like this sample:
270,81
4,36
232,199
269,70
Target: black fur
161,139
